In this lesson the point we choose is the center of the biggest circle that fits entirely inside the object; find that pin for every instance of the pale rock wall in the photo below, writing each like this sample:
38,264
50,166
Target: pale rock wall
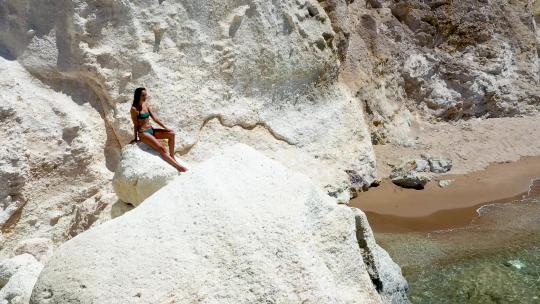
259,72
17,278
51,156
308,83
267,64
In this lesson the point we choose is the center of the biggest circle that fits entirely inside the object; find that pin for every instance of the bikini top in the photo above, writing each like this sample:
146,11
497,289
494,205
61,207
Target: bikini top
143,115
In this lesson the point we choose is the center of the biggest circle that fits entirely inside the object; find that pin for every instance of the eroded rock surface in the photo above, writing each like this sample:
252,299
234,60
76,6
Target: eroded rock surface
264,233
17,278
51,157
385,273
141,172
444,60
416,173
313,84
265,66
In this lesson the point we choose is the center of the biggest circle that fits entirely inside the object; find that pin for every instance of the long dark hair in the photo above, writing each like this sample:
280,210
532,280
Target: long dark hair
137,97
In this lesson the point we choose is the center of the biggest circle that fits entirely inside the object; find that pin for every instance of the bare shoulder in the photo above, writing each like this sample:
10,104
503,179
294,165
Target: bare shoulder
133,110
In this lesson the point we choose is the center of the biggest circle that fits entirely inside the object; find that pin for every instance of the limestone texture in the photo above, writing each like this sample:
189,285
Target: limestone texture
39,248
140,173
224,68
413,173
385,273
316,85
185,244
17,278
52,157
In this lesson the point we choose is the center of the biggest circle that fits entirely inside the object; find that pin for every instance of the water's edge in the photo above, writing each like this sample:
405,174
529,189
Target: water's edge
493,259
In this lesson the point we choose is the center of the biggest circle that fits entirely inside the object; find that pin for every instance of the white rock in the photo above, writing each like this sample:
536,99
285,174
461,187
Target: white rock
17,278
422,165
140,173
384,272
9,267
445,183
40,248
238,228
55,155
440,165
516,264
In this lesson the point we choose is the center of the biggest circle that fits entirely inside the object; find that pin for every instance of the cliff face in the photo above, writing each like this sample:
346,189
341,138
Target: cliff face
446,60
311,84
263,73
259,72
52,161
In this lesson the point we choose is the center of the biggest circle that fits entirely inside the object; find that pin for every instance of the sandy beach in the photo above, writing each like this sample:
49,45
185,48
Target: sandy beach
479,177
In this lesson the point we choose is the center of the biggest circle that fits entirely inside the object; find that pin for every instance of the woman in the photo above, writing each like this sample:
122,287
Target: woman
140,114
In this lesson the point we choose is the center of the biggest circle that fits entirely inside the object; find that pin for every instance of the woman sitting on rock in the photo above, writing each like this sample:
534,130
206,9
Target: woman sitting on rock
140,114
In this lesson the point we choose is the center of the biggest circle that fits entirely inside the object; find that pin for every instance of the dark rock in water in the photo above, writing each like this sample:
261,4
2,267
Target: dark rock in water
516,264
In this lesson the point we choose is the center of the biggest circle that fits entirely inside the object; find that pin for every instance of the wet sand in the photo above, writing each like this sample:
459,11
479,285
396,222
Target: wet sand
394,209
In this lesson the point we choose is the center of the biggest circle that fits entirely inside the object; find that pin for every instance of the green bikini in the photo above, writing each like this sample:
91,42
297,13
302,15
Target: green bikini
144,116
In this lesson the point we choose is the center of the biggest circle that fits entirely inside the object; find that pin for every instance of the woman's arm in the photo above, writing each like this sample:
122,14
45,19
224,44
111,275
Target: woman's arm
155,118
135,123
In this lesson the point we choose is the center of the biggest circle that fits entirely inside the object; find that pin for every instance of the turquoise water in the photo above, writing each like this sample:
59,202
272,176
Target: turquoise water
495,259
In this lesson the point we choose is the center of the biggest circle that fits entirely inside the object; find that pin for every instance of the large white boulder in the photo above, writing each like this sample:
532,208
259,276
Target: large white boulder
238,228
140,173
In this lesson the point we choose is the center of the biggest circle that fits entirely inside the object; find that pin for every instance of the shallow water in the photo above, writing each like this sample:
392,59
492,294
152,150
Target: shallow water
494,259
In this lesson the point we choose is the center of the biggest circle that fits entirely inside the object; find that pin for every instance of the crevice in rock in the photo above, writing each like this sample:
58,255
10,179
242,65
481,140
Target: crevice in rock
384,273
243,126
158,35
339,26
6,54
12,221
83,218
367,254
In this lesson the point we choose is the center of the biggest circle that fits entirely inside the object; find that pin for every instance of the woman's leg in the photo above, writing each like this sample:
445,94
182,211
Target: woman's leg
156,145
166,134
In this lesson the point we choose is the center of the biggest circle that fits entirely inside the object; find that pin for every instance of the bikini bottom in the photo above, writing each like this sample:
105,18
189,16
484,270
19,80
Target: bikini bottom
149,131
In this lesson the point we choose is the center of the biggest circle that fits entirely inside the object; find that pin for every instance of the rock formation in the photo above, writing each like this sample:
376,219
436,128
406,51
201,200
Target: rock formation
140,173
17,277
51,157
415,173
261,72
437,59
312,84
263,234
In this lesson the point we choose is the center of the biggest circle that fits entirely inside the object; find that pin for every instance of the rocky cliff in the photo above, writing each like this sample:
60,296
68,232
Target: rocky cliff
312,84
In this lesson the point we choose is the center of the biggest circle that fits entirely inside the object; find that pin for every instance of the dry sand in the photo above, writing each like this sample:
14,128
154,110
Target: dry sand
471,145
501,157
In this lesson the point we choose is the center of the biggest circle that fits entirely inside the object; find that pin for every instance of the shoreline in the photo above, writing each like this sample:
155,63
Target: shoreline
390,208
